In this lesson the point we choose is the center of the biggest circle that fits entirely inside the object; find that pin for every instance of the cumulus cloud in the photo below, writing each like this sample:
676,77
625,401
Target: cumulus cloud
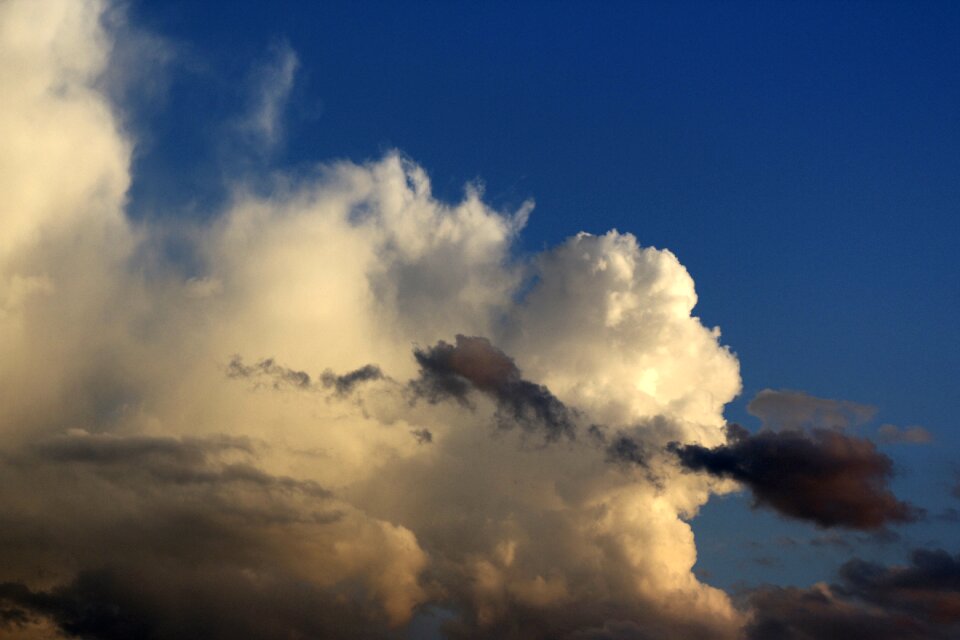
822,476
154,485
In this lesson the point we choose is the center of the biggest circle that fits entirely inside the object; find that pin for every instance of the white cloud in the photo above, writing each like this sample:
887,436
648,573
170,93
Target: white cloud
353,266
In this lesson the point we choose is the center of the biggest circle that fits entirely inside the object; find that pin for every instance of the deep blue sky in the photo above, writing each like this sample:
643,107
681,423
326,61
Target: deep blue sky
801,159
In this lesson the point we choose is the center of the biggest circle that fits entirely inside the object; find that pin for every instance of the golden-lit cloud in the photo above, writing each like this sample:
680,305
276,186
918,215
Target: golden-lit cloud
310,435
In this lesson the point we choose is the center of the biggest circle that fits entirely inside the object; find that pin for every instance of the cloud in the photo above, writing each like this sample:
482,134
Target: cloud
892,434
151,483
452,371
267,368
626,449
148,488
344,384
921,600
423,436
117,605
273,82
821,476
148,522
793,410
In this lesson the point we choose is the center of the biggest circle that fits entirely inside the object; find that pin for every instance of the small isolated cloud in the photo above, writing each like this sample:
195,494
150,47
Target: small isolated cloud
821,476
792,410
892,434
920,601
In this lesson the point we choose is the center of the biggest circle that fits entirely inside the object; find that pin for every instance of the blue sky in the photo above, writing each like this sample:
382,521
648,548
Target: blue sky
800,159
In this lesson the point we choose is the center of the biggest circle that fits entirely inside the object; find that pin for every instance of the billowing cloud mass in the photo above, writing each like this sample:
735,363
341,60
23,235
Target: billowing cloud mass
249,444
823,476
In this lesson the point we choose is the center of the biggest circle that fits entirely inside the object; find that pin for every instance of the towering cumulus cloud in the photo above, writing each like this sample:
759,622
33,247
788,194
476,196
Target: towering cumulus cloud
252,445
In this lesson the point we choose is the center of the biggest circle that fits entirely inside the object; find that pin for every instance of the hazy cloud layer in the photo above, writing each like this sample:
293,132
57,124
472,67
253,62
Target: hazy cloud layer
823,476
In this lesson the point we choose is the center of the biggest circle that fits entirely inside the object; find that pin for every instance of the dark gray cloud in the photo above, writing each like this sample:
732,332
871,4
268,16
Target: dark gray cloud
267,368
821,476
226,603
279,376
108,537
623,448
793,410
423,436
584,622
345,383
166,459
913,602
452,371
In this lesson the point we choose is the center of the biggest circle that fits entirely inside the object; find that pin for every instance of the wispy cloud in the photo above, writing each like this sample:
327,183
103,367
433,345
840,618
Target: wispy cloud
272,81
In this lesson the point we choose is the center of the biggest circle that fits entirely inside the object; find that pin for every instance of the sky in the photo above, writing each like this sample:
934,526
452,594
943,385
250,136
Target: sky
474,320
